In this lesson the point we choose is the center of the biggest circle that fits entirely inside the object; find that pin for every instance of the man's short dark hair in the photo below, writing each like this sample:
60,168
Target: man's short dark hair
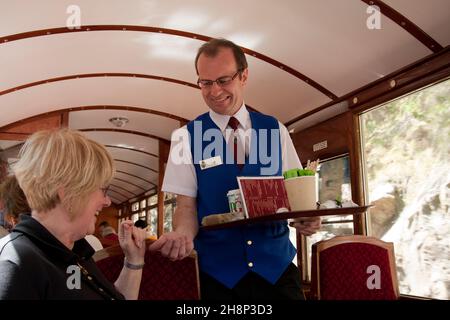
212,47
141,224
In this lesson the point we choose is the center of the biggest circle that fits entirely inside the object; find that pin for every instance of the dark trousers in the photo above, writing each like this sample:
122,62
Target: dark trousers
254,287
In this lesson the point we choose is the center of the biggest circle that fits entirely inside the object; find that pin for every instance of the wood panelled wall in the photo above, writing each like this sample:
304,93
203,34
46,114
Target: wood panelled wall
22,129
342,136
337,132
109,214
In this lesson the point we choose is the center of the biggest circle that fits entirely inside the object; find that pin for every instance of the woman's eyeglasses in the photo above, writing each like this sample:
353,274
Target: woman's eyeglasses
105,190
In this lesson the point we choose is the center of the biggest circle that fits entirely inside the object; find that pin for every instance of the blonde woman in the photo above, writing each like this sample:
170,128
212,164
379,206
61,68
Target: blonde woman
64,177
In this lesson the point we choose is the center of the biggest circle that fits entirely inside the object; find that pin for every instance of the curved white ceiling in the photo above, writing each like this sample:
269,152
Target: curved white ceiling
325,40
147,123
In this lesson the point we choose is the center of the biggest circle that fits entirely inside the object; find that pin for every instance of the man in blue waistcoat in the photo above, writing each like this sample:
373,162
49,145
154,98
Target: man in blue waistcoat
246,262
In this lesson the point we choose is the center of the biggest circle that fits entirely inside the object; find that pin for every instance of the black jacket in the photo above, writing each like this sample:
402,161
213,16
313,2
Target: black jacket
36,265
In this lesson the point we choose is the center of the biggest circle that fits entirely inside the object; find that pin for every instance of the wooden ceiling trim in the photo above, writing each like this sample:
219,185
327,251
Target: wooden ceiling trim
119,187
143,134
13,136
62,112
134,176
118,201
28,127
293,72
138,197
179,33
128,108
130,183
120,194
404,88
411,72
98,75
136,164
19,130
132,149
406,24
399,81
17,146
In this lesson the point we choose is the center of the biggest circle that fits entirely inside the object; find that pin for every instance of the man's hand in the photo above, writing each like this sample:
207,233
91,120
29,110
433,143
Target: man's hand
173,245
307,225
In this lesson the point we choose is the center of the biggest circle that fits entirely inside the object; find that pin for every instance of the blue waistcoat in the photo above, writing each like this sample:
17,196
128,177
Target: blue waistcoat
225,254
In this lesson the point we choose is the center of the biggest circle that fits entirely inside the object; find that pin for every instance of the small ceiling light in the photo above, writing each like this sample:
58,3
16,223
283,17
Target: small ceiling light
119,122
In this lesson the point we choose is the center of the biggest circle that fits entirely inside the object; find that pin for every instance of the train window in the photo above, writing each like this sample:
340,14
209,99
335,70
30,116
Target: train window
152,200
152,220
334,184
169,196
406,163
135,206
169,209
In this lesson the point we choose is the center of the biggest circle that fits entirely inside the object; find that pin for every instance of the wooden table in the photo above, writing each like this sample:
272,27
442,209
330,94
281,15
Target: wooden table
290,215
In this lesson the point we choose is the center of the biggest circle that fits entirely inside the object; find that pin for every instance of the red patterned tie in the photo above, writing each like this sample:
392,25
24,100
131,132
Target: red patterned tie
233,123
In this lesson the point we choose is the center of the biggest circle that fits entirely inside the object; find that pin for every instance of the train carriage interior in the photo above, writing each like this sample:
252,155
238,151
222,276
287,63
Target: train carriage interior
363,86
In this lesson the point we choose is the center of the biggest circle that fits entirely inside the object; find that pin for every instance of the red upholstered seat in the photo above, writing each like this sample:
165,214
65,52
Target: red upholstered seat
162,279
354,268
109,240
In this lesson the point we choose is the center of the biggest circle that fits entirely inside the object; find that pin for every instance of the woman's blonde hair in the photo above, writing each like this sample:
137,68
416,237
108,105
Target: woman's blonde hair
50,160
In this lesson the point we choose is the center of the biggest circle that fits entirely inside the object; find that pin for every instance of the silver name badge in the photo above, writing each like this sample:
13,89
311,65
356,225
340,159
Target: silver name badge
210,163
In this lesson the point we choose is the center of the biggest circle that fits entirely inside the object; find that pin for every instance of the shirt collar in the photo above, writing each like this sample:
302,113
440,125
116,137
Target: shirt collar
42,238
222,120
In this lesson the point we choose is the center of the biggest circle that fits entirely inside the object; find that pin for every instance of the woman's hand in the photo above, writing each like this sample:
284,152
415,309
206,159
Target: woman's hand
132,242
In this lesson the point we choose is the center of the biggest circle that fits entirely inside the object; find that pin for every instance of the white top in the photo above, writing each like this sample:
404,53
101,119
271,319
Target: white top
94,242
180,176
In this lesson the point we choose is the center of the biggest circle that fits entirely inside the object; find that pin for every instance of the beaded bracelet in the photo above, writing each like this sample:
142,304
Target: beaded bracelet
133,266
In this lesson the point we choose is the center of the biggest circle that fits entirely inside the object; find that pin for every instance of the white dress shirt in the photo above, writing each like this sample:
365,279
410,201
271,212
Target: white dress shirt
180,178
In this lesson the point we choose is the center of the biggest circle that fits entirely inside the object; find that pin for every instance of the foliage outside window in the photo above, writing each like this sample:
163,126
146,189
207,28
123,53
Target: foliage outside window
169,208
169,196
152,200
152,220
148,209
406,146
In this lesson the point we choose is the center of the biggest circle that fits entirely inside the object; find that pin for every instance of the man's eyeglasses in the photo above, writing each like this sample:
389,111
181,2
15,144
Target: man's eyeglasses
221,82
105,190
